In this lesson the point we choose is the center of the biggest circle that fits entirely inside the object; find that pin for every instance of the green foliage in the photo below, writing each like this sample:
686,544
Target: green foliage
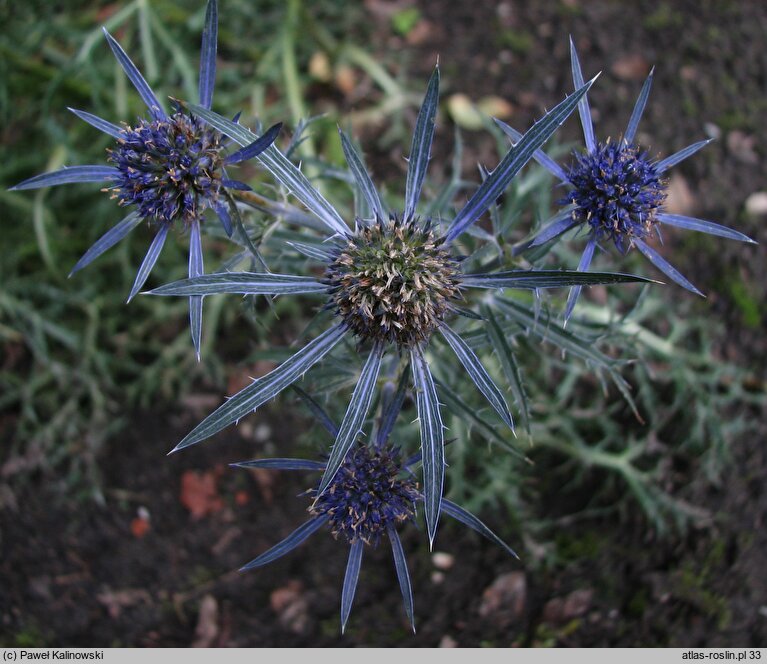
404,20
745,300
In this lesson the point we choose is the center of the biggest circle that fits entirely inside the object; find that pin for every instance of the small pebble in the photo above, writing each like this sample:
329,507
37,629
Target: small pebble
443,561
756,204
437,578
262,433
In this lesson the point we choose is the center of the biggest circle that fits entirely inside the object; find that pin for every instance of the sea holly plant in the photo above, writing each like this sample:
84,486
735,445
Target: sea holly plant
391,281
415,290
168,168
616,192
370,495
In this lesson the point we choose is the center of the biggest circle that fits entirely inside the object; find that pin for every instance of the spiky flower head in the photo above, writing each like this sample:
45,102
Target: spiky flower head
367,494
169,168
393,281
617,191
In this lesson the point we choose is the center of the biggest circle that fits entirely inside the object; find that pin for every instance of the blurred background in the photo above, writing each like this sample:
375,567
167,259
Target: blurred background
658,540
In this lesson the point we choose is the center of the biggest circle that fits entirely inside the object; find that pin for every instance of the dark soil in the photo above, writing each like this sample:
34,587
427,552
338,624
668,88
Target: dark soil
82,574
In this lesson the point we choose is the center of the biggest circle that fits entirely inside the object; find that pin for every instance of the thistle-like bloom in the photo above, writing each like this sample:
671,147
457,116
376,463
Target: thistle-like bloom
366,496
392,282
371,494
616,192
168,168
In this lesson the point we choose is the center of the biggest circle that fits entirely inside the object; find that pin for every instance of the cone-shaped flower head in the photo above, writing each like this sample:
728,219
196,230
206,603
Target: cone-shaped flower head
367,495
170,169
617,191
393,282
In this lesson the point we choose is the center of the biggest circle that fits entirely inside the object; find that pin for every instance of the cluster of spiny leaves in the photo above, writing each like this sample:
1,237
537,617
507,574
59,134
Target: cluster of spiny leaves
395,281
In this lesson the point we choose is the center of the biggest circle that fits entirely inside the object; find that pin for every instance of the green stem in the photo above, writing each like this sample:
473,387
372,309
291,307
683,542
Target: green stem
628,327
373,69
290,72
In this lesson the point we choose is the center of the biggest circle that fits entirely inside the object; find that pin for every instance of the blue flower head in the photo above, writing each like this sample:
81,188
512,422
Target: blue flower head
170,168
372,494
616,192
367,495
